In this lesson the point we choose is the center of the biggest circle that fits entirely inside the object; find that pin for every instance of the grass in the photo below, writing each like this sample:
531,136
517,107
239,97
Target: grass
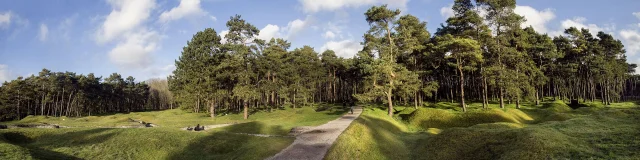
150,143
551,130
372,136
167,141
281,122
283,119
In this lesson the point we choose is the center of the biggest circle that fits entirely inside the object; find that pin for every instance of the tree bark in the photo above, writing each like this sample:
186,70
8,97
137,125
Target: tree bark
464,108
212,109
390,102
246,109
501,98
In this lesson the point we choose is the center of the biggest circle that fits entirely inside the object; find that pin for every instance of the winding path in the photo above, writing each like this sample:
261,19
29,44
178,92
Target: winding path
314,144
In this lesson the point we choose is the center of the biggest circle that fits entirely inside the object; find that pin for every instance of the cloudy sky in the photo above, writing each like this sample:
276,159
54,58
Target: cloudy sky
142,38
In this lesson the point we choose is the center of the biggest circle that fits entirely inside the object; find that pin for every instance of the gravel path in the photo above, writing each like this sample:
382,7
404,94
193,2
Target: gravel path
314,144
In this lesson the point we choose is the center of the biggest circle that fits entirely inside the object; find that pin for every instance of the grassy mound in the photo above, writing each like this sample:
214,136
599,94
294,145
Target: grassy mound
557,106
163,142
372,136
503,143
548,132
277,122
148,143
281,122
12,151
439,118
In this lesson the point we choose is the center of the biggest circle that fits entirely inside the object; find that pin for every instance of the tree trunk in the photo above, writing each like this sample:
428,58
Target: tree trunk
415,100
537,98
390,102
212,109
501,98
246,109
464,108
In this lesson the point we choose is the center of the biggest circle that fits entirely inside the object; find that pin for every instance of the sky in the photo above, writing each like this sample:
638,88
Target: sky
143,38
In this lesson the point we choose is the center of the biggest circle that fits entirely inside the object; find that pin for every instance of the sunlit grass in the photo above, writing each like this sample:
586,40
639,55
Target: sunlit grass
88,141
145,143
552,130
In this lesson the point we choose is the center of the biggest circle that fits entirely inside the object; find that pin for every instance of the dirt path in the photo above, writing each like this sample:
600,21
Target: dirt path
314,144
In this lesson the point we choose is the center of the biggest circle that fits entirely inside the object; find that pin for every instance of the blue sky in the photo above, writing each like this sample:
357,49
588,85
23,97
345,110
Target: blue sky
142,38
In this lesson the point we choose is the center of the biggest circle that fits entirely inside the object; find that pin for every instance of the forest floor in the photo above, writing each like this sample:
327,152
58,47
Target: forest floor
99,137
552,130
314,144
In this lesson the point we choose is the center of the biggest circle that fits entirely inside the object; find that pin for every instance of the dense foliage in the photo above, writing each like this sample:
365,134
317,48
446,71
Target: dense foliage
482,58
68,94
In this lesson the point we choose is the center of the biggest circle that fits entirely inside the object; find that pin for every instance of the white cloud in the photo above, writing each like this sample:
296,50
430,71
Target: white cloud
637,14
296,26
5,19
214,18
136,42
580,22
269,31
311,6
292,29
632,41
65,27
537,19
222,34
135,50
335,28
344,48
329,35
161,71
185,9
44,31
5,74
126,16
447,11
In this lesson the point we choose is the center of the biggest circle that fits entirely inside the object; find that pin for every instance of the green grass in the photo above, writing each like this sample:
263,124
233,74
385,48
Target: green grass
281,122
167,141
551,130
148,143
176,118
372,136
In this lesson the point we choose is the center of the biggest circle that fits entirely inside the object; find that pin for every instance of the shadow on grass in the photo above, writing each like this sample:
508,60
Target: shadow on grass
256,127
213,146
338,111
37,147
385,136
221,145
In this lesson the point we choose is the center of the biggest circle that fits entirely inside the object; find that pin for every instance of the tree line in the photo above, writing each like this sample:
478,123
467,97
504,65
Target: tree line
488,58
480,57
68,94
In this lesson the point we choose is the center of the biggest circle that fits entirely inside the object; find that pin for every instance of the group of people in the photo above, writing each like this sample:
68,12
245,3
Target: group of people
198,128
